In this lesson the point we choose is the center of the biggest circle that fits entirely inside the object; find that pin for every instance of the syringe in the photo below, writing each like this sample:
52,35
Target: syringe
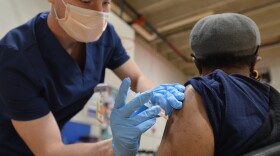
145,106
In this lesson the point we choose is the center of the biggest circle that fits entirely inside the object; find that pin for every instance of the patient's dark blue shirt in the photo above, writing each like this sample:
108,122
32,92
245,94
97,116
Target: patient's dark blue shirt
236,106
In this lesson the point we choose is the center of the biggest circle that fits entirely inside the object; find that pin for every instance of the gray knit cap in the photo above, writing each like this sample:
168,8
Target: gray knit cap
227,33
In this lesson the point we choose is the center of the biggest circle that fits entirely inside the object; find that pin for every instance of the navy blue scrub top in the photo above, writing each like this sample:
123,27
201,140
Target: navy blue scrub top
38,76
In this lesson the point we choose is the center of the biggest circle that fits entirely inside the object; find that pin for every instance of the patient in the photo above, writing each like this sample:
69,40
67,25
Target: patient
227,109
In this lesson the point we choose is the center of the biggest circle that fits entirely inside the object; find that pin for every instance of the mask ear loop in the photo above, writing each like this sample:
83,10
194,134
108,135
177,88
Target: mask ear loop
55,12
64,3
197,64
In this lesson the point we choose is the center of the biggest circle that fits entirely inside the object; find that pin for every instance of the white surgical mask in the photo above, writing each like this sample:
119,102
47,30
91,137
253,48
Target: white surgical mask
83,25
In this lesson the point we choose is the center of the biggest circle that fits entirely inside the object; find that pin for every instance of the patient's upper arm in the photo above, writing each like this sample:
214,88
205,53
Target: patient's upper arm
188,131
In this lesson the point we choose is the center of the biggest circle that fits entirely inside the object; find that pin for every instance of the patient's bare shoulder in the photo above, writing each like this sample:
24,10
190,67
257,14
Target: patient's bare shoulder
188,131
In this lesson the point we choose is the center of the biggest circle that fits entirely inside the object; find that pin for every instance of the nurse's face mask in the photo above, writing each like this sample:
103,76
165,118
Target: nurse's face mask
83,25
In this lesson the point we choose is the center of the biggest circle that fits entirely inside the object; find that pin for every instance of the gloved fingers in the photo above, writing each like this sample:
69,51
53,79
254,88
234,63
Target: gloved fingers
121,97
168,111
149,113
135,103
174,103
161,100
158,98
143,127
166,107
160,87
178,95
160,91
138,110
179,87
176,85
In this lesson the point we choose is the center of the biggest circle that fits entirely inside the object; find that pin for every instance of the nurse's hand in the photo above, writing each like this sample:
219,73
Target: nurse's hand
127,130
168,96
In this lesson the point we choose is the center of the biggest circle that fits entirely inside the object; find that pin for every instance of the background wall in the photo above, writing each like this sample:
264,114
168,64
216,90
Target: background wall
155,66
16,12
271,61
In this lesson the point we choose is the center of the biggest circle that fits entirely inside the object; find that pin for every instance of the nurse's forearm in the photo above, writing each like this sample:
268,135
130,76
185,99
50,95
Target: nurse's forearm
43,137
139,82
143,84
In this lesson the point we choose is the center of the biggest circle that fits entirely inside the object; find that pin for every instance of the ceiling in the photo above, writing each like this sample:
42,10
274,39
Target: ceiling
166,24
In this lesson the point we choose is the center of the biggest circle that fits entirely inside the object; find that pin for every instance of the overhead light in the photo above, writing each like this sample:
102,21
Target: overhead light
184,21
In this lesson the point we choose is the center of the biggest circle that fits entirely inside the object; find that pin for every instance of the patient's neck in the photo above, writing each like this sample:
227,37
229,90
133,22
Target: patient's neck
242,71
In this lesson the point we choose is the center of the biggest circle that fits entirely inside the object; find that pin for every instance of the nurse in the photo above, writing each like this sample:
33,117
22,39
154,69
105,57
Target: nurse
49,67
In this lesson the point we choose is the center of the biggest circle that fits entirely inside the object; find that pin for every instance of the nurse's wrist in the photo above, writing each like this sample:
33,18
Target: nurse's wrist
121,150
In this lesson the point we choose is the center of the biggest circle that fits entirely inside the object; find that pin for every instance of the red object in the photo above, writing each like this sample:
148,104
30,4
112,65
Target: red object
140,20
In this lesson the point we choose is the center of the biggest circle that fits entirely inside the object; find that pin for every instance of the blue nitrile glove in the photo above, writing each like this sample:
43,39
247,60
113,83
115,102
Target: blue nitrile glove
169,96
127,130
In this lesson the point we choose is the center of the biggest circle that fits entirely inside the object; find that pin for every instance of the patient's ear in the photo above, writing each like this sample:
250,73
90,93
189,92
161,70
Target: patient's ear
258,59
196,64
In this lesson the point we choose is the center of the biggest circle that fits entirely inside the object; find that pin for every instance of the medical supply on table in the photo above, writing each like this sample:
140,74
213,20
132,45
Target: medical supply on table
145,106
100,111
